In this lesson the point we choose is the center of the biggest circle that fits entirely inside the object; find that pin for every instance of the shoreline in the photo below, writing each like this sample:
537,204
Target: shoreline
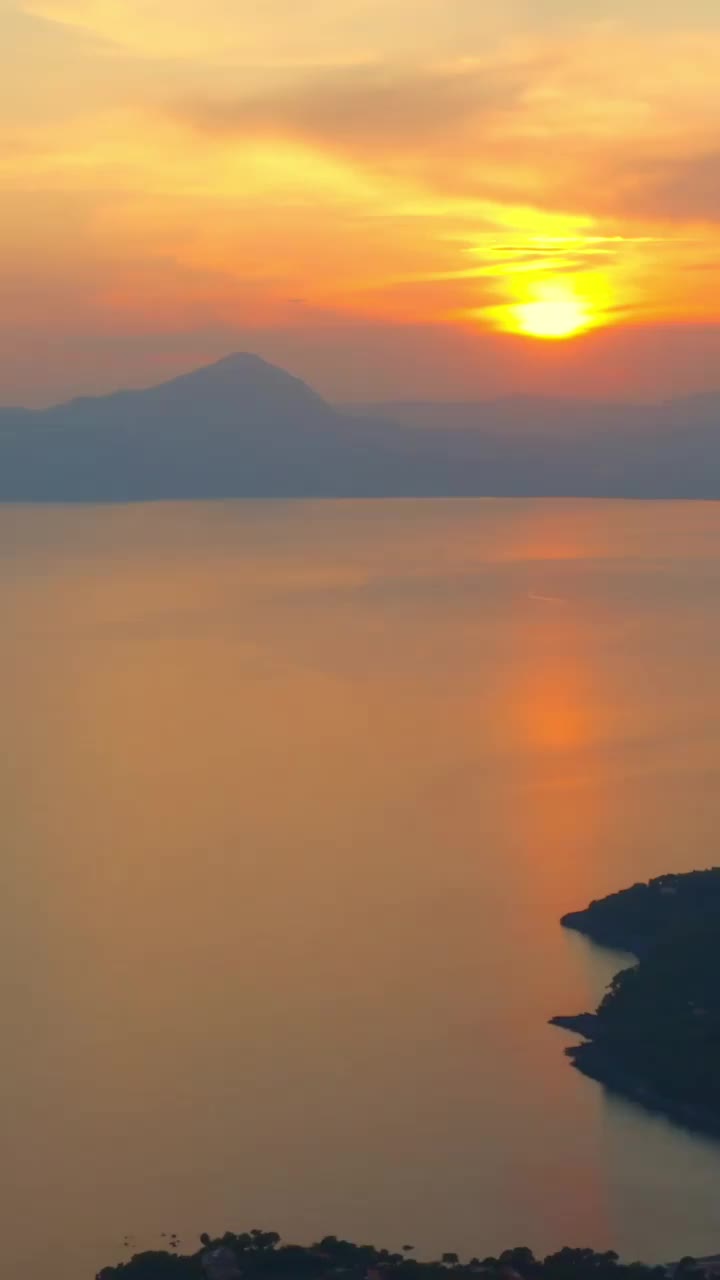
597,1058
612,939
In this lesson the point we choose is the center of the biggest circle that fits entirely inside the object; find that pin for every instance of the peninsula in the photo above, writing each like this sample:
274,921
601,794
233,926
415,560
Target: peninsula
655,1038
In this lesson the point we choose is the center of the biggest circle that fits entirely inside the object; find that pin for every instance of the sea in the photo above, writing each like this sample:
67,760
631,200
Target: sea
293,797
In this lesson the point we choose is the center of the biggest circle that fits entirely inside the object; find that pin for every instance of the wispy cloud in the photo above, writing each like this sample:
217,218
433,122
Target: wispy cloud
376,108
387,161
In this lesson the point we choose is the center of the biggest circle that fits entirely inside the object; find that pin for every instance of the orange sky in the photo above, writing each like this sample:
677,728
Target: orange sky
380,194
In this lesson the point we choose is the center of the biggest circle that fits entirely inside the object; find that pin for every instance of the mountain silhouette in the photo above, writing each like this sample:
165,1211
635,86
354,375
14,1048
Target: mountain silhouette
243,428
240,427
238,383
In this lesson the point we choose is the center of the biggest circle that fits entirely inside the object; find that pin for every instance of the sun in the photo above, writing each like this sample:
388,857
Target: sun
554,308
552,318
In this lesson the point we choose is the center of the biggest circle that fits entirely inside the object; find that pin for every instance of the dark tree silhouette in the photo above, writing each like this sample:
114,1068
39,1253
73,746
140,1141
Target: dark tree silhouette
260,1255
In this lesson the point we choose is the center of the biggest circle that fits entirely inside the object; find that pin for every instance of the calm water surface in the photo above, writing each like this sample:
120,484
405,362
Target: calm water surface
293,795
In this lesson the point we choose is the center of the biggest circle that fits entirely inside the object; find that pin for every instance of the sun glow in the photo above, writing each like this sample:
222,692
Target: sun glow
555,309
553,318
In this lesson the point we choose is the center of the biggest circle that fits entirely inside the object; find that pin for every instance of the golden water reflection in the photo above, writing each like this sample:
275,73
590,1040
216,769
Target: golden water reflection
294,795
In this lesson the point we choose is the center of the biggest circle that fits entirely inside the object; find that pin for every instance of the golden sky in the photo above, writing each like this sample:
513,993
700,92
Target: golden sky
354,187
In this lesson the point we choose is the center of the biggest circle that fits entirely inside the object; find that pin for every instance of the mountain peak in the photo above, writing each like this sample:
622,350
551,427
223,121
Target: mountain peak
245,374
241,360
242,363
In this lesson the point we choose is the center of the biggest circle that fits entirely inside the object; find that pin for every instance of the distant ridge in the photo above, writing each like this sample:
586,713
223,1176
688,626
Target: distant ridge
240,375
241,427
